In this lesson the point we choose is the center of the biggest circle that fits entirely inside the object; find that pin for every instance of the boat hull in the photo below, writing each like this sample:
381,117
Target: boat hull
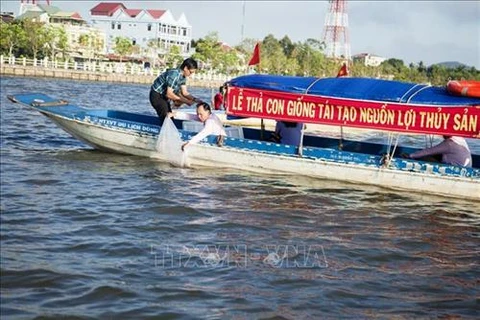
207,155
108,139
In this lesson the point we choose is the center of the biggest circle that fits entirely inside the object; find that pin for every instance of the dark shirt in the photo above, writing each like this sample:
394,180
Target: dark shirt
172,78
289,135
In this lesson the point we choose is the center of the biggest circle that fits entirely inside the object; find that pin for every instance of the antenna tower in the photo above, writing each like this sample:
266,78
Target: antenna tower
335,34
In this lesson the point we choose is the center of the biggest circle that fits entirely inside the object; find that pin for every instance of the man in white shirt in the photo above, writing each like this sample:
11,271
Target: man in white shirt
454,150
212,125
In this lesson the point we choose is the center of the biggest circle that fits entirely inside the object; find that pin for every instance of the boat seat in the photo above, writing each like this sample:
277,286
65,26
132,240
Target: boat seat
192,126
195,126
234,132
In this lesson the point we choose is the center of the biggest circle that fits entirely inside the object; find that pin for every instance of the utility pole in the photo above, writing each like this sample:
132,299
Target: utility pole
243,21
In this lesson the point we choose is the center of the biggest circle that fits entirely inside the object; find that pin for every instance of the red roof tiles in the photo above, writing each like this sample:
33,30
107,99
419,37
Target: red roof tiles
77,16
106,8
133,12
156,13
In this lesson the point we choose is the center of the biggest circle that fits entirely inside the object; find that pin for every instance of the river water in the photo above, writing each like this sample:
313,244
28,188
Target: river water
87,234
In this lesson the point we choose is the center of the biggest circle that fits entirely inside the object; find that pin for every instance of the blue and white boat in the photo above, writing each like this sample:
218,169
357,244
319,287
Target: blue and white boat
248,149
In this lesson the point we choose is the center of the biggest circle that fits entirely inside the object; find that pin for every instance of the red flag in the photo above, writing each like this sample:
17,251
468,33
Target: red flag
343,71
256,56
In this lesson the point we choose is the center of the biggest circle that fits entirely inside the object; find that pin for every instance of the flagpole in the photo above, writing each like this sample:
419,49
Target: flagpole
343,72
243,21
255,60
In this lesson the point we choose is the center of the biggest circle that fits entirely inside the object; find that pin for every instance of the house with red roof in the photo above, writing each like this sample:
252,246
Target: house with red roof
49,14
75,27
150,29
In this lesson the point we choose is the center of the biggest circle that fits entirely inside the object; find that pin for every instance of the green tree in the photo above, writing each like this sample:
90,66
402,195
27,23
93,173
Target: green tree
174,57
123,46
246,46
209,50
98,43
359,69
92,43
272,57
287,46
36,37
437,74
245,50
62,41
12,36
315,44
414,75
392,65
154,46
229,61
55,40
85,42
310,59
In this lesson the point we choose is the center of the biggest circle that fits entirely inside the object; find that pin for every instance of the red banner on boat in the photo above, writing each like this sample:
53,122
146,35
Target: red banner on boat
456,121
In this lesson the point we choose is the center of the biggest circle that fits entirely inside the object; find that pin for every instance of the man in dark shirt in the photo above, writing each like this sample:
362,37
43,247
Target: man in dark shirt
171,86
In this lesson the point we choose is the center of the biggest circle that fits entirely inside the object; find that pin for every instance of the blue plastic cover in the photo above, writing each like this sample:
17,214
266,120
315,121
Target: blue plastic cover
355,88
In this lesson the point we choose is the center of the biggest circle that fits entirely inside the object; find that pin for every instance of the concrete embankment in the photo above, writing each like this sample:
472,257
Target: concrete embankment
30,71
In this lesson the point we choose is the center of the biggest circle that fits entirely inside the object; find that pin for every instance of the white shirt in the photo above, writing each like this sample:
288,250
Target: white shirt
213,125
454,150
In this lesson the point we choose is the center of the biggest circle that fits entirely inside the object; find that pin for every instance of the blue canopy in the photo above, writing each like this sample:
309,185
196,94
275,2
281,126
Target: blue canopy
355,88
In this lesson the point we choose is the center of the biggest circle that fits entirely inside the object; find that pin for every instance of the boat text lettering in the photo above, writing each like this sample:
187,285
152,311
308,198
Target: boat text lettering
433,120
127,125
347,114
452,120
276,106
377,116
326,112
301,109
237,103
107,122
407,119
465,122
255,104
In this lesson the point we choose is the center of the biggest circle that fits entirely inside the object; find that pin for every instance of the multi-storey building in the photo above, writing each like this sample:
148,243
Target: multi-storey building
83,40
149,29
369,59
7,17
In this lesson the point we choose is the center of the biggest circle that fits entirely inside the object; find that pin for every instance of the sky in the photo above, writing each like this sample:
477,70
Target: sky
413,31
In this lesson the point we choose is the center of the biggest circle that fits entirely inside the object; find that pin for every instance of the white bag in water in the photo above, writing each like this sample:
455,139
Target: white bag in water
169,144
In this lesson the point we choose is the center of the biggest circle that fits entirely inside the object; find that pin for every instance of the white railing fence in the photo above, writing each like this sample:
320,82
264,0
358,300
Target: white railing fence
105,67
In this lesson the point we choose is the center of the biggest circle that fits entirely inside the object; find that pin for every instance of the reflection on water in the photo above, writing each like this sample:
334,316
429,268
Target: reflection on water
91,234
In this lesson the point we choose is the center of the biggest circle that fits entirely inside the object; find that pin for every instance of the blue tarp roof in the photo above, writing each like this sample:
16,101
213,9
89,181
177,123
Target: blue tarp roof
355,88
